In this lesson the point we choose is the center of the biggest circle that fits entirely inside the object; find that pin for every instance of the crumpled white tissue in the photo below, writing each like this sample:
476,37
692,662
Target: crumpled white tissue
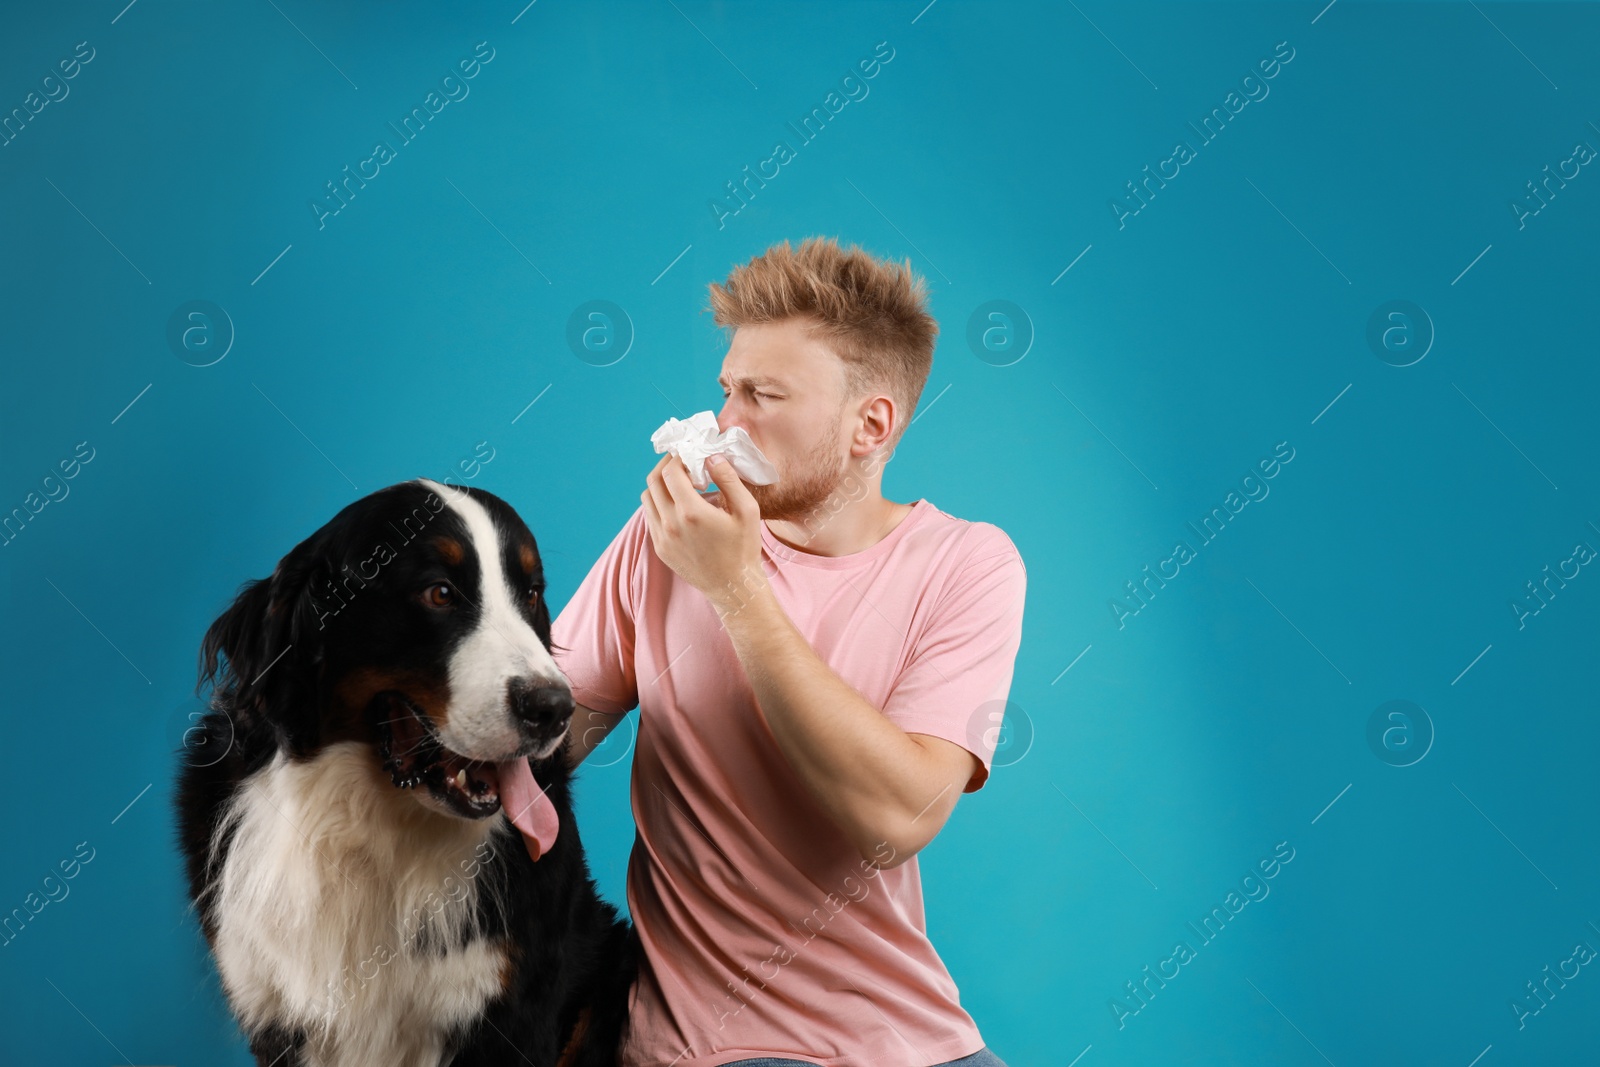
695,439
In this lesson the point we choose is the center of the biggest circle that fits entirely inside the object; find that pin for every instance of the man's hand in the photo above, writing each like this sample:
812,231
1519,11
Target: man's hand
714,547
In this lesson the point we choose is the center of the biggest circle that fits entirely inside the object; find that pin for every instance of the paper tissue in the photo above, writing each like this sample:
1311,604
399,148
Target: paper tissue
696,439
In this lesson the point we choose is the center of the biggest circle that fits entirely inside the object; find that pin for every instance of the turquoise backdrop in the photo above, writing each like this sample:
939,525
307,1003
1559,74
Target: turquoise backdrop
1307,289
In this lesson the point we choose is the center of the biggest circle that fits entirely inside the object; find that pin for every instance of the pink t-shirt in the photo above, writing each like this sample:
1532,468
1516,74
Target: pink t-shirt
765,933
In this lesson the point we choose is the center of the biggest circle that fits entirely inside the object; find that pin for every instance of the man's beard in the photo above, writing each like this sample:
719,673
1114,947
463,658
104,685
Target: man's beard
806,484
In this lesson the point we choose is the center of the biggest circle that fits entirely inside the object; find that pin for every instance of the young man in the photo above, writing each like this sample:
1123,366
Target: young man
817,671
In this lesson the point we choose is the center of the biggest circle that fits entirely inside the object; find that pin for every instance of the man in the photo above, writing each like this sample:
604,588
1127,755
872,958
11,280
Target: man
818,672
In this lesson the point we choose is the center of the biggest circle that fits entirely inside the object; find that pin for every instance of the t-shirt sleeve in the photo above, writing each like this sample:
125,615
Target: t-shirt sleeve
593,636
959,677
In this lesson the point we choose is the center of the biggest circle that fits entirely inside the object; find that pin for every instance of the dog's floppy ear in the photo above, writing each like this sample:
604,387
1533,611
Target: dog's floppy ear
261,654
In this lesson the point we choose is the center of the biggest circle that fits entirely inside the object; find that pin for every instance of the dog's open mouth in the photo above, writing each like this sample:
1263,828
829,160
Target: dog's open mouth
474,789
413,756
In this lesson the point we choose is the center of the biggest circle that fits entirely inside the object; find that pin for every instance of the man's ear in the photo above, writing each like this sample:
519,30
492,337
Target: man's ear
261,654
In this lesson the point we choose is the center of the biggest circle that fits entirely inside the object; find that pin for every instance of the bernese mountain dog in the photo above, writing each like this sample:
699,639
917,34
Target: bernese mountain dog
375,813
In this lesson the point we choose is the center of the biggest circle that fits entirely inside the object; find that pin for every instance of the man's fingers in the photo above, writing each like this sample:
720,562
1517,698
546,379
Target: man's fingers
664,503
734,491
657,502
652,521
676,479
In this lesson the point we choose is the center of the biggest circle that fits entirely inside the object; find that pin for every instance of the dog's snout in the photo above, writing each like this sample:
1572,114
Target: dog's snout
538,704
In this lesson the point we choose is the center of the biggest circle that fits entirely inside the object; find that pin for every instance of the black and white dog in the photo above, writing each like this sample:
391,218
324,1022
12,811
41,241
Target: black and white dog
376,705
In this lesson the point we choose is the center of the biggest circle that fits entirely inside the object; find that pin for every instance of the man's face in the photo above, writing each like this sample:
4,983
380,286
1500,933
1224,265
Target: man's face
787,392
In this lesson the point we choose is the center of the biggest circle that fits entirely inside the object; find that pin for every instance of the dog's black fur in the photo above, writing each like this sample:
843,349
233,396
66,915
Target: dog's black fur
292,665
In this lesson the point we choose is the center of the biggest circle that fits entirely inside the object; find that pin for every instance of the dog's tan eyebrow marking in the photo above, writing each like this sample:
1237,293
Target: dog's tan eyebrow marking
525,554
449,548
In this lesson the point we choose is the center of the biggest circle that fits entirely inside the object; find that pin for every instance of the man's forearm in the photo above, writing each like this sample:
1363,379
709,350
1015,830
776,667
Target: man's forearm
866,772
587,732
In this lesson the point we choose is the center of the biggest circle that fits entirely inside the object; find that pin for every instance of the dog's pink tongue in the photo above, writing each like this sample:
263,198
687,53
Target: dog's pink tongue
528,807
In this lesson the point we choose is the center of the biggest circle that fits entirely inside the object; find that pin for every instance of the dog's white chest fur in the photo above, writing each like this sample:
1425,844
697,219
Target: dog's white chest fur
347,910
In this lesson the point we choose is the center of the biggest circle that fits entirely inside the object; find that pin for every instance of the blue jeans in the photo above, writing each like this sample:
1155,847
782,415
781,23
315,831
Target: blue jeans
981,1058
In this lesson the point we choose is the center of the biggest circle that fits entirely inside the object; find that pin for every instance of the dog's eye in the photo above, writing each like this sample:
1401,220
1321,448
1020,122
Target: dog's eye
439,595
533,598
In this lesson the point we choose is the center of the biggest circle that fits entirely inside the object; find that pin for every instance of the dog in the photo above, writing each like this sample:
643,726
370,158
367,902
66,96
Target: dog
374,810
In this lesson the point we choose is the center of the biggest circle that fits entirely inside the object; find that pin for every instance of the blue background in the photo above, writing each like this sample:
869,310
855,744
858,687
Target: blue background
1134,790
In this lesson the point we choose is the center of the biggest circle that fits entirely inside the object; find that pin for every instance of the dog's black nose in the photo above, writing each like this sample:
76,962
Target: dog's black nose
539,705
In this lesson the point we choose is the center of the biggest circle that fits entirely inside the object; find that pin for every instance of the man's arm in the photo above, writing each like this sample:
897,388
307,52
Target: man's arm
586,733
880,784
885,788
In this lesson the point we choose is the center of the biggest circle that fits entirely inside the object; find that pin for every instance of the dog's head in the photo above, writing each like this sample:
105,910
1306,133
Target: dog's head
413,621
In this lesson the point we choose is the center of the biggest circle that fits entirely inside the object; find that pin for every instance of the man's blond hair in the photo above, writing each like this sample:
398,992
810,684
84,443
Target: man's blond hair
871,312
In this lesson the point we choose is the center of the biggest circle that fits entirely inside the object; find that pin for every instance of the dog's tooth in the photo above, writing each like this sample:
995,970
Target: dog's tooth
461,778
